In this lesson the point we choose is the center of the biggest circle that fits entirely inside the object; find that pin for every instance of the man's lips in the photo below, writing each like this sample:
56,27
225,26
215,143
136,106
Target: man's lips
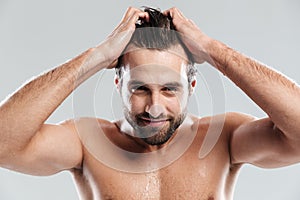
153,122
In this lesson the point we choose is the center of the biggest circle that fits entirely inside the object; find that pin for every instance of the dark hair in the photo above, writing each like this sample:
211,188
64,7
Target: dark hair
158,33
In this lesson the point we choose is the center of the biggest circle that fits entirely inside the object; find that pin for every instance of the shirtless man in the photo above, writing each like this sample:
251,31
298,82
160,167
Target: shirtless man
155,88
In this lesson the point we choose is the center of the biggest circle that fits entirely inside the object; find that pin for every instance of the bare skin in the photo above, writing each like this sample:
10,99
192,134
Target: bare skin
29,146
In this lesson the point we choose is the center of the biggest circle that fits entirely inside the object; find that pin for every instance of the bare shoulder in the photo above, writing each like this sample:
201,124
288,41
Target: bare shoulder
86,123
229,120
235,119
88,130
91,129
220,128
215,134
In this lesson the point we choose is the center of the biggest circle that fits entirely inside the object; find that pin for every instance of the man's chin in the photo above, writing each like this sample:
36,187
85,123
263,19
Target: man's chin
157,140
146,132
158,136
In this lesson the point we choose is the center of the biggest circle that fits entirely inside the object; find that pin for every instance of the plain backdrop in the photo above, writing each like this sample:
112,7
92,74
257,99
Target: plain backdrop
38,35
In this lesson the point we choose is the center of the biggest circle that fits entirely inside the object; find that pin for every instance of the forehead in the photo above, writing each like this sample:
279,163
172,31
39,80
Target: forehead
155,66
172,57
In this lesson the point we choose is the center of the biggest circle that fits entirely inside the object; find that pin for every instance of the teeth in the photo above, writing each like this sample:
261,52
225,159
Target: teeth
151,120
154,121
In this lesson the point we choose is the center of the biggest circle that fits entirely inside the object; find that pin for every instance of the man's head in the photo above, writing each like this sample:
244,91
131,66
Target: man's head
158,33
155,76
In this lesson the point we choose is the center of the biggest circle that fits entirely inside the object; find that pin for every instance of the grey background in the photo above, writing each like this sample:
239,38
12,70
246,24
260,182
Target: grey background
38,35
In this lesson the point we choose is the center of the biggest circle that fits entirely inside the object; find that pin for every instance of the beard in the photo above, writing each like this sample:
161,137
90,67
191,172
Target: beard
154,135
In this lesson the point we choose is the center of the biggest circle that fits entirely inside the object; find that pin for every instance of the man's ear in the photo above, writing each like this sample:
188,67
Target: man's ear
192,86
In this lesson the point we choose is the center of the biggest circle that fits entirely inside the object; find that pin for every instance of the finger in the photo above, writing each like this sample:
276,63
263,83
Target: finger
125,17
178,19
168,12
129,12
130,18
173,13
133,11
138,15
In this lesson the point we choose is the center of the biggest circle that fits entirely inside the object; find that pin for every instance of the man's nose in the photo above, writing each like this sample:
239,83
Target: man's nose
155,106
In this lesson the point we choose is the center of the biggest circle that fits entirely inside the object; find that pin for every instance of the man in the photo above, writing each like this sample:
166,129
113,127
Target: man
155,85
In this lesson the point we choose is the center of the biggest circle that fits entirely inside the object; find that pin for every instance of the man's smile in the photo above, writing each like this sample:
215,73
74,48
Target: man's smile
153,122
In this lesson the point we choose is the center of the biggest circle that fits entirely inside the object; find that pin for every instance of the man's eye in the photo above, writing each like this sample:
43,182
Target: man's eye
170,89
139,89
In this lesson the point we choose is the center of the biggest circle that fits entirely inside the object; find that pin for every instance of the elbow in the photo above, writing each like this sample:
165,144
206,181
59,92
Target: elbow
7,155
2,158
4,155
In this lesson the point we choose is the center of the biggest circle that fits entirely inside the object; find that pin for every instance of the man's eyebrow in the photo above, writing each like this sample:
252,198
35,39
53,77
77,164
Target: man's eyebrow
169,84
173,84
135,82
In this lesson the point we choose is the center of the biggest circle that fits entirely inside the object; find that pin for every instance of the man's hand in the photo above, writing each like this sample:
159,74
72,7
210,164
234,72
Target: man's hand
195,40
117,41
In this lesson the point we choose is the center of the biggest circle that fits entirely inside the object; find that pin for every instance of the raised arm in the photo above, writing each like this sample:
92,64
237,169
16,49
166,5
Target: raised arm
26,143
270,142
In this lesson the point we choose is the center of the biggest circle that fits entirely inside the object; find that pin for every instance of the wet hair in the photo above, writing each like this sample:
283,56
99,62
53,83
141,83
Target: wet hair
158,33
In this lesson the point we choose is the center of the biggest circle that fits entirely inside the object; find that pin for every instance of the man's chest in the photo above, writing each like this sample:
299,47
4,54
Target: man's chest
186,178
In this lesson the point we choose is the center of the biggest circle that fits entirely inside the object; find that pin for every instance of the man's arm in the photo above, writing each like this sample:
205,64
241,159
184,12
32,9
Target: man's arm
269,142
26,143
24,113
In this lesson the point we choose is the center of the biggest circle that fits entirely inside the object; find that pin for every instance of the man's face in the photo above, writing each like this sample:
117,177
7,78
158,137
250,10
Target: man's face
155,92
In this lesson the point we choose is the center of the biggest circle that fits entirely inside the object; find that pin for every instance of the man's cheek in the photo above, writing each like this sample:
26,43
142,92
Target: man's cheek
137,108
178,102
126,97
133,104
